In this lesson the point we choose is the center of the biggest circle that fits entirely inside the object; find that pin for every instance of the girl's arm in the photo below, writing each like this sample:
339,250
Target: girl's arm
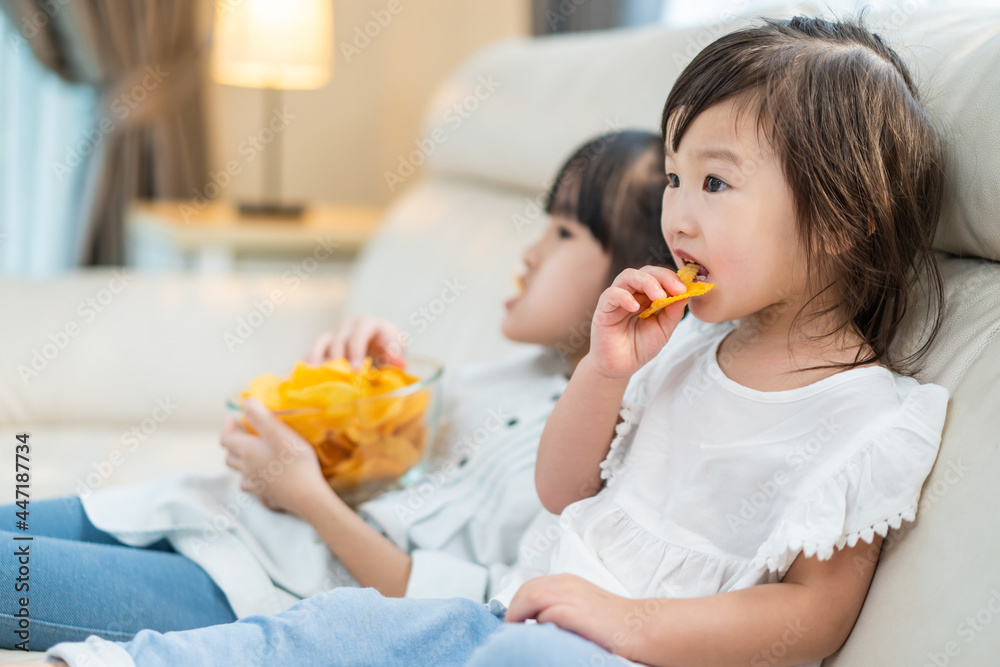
579,431
805,617
372,558
299,487
576,437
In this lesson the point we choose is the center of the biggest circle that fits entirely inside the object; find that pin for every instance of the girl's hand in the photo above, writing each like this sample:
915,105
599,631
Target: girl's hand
574,604
278,465
357,338
620,341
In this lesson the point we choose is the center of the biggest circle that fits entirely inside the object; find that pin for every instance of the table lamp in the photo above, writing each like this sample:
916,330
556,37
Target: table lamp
275,45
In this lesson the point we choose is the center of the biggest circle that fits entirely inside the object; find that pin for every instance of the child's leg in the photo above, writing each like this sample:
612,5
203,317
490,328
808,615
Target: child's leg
540,644
82,588
344,626
64,518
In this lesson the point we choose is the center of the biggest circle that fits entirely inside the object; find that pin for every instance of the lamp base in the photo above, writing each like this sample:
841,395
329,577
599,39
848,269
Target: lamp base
271,210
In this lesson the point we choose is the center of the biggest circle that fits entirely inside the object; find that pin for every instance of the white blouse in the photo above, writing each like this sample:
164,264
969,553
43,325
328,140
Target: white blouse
712,486
461,524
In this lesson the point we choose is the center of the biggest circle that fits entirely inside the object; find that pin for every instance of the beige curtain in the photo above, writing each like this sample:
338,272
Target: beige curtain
146,59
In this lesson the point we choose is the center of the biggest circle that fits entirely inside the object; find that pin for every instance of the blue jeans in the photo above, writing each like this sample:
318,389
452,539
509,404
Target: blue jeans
83,581
358,627
540,644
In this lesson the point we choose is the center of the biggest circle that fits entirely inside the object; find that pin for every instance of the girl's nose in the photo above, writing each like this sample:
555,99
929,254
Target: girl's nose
531,255
677,218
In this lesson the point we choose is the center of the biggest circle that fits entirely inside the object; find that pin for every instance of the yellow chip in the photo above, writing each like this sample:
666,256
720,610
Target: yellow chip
265,388
694,289
688,272
687,275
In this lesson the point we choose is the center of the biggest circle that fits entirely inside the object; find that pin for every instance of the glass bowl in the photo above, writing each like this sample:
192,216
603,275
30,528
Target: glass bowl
373,444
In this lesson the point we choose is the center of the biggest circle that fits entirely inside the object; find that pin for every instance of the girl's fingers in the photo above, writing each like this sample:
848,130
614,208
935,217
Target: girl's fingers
618,297
388,342
639,281
320,348
237,442
234,462
357,344
653,281
529,601
667,279
338,348
273,431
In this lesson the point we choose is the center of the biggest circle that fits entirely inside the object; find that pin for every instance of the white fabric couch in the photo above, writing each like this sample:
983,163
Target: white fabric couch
458,231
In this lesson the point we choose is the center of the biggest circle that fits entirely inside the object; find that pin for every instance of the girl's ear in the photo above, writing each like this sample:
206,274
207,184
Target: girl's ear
837,241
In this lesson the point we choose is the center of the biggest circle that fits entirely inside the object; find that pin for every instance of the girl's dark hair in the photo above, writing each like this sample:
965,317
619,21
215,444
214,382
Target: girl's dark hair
614,185
858,151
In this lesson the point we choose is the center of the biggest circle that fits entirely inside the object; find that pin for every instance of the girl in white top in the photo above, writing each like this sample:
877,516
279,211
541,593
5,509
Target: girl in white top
451,534
723,483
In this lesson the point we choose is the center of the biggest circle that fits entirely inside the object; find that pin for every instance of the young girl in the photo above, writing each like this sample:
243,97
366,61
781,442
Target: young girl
215,554
724,482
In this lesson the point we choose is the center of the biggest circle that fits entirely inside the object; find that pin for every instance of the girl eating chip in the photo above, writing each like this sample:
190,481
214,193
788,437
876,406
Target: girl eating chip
191,551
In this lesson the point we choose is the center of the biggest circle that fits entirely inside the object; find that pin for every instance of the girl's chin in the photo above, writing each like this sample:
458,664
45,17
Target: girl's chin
702,311
512,328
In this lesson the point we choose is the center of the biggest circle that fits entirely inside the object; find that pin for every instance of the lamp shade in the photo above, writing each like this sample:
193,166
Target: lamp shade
285,44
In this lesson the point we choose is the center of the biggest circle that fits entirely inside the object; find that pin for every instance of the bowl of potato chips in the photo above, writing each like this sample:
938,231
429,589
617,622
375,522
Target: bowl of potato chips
371,427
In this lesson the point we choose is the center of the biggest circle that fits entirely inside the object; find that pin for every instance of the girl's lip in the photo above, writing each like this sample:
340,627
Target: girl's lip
686,259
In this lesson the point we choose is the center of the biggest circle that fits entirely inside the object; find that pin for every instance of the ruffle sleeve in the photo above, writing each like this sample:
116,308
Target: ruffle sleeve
876,488
620,444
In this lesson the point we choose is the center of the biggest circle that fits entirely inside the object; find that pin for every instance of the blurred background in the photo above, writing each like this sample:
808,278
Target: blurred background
260,120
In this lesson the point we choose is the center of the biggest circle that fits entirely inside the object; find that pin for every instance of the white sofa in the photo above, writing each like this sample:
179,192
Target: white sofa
935,598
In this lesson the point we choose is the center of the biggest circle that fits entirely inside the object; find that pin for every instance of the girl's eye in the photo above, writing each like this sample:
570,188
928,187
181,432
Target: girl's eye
713,184
673,180
564,233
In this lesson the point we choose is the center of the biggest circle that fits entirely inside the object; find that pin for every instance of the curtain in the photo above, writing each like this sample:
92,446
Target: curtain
144,61
41,118
555,16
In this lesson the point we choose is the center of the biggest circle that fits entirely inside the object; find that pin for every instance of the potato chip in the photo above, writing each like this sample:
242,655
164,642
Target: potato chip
265,388
330,392
687,274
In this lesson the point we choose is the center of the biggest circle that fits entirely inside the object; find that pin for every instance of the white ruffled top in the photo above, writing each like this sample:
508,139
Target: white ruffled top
712,486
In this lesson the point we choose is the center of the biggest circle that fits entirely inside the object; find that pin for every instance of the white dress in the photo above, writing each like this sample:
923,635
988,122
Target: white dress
461,524
713,486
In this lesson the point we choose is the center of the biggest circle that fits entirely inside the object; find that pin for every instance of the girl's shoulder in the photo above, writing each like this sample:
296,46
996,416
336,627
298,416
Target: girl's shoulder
690,338
532,364
872,484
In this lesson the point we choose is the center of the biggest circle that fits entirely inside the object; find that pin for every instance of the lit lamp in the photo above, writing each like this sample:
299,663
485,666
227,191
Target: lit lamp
275,45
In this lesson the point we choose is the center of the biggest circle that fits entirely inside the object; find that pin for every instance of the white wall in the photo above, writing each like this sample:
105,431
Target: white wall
344,137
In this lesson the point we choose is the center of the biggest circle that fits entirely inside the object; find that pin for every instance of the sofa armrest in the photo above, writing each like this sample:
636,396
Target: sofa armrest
109,346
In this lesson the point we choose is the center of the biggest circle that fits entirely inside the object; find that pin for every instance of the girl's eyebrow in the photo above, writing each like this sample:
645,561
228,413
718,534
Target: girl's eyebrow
723,154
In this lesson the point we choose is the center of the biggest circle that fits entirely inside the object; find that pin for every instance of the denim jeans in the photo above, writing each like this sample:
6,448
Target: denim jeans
519,644
356,627
85,582
343,626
